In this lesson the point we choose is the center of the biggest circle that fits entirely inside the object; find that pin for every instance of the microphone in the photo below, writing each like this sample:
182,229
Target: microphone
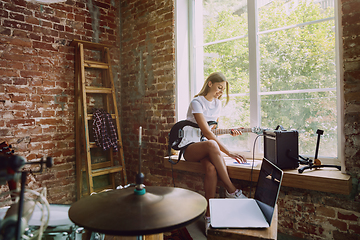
10,221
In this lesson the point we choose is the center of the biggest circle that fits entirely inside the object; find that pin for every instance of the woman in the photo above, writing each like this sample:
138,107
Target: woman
206,106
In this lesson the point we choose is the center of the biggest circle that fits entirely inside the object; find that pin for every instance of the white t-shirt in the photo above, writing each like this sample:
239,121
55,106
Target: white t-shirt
210,110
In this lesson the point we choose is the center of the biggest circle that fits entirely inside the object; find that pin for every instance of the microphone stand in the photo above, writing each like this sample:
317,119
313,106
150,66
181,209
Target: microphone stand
21,206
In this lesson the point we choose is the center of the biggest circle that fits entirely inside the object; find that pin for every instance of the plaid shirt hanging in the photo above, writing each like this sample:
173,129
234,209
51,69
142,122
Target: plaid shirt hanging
104,130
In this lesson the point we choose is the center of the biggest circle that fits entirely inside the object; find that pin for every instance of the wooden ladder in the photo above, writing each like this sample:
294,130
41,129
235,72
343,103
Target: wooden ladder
98,92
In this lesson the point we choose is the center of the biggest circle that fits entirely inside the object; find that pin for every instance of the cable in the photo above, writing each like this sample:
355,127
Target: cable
252,166
42,203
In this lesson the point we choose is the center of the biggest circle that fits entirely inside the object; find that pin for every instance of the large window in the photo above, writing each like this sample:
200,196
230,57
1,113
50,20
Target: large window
279,57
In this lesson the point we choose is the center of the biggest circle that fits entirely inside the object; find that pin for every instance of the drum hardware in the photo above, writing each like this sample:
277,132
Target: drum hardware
138,190
126,186
34,201
140,187
59,226
15,163
64,232
138,212
10,220
97,236
123,213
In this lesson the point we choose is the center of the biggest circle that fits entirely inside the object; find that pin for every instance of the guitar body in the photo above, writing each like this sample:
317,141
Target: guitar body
185,132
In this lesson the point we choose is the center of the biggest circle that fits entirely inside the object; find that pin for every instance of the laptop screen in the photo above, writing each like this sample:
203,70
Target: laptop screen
268,187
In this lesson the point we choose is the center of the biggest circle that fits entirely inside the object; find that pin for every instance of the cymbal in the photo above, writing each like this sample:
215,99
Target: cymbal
121,212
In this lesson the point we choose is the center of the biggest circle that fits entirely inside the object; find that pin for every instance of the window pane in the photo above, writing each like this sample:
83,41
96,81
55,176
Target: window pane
297,52
232,59
236,114
305,112
280,13
298,58
224,19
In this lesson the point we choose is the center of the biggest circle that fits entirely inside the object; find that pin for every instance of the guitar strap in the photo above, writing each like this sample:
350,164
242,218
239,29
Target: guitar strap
181,152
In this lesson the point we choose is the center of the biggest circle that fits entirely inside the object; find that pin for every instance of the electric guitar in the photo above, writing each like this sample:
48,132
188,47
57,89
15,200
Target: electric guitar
185,132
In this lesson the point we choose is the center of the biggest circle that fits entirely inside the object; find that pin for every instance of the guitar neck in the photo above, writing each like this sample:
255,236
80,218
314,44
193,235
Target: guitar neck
228,131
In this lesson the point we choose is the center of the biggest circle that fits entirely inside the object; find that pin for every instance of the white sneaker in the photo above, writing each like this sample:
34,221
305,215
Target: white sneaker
237,194
207,224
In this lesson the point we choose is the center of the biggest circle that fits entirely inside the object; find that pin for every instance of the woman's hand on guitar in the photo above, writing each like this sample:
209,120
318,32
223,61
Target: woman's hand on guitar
238,157
236,132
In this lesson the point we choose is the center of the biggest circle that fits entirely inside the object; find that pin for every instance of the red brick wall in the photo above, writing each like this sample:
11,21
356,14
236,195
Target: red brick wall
351,58
37,81
148,86
37,102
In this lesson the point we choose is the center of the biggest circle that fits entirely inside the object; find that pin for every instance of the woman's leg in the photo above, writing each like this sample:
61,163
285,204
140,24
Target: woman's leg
210,181
210,150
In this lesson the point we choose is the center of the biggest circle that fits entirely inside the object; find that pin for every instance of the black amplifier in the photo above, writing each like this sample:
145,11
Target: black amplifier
281,147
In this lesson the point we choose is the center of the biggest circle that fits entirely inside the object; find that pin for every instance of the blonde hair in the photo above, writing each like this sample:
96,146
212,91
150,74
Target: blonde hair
214,78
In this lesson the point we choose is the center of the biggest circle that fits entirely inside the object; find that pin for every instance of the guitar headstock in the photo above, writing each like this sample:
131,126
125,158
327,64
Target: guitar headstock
258,130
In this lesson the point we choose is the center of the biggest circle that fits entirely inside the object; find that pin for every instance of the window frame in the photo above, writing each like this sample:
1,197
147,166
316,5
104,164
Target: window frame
189,73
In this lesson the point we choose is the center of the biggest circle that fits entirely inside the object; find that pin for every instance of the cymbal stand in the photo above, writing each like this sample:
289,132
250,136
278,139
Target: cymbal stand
140,187
316,163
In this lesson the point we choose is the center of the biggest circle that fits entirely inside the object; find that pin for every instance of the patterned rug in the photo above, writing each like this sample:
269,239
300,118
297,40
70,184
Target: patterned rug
179,234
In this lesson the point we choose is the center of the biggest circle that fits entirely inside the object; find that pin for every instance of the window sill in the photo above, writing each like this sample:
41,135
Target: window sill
328,180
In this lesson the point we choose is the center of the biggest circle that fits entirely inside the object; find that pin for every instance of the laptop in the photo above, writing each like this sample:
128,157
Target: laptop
250,213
